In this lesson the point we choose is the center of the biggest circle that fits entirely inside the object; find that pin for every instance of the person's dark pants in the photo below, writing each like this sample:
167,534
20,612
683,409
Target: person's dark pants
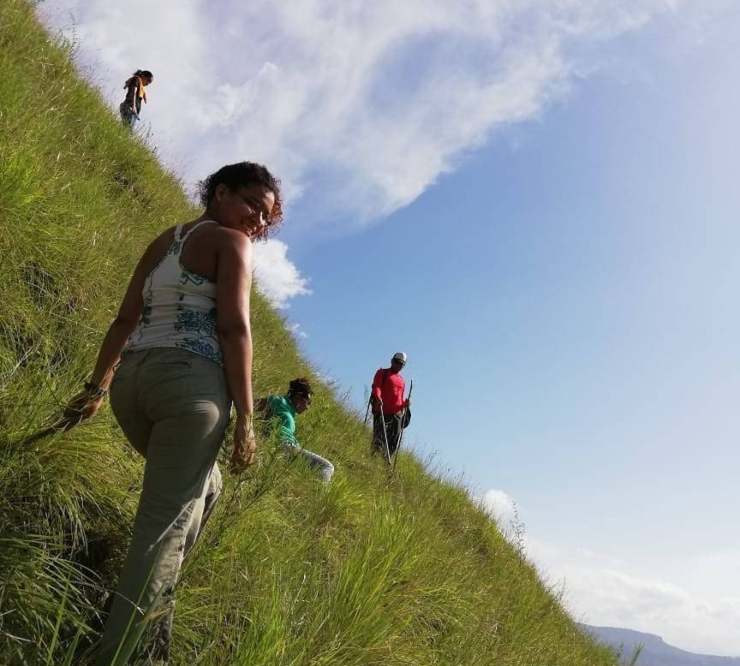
128,116
392,432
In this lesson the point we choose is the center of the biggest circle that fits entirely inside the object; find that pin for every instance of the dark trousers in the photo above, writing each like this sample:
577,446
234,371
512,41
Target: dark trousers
393,427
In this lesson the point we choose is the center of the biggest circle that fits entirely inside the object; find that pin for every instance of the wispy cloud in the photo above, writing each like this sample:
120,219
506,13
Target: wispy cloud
297,331
601,590
359,107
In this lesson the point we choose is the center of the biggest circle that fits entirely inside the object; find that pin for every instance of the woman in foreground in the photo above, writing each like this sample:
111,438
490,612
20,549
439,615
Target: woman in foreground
184,339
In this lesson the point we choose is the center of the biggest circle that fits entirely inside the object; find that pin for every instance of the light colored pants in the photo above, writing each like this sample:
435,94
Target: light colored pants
173,407
314,460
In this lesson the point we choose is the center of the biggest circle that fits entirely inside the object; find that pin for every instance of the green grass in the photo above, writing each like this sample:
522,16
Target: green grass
370,570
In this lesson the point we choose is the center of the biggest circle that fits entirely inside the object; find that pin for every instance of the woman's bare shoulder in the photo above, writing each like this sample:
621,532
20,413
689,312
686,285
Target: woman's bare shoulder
211,246
207,232
230,239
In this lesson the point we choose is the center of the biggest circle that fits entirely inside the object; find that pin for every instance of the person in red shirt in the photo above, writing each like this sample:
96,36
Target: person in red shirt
389,406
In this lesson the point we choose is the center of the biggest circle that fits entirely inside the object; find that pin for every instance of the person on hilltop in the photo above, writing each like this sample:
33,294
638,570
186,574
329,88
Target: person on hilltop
184,340
391,412
283,409
135,88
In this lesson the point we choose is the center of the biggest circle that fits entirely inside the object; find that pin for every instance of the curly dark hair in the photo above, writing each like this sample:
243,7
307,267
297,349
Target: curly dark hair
300,386
243,174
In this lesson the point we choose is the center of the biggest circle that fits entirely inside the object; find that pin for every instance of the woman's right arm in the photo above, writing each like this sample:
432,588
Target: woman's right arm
233,287
86,404
128,316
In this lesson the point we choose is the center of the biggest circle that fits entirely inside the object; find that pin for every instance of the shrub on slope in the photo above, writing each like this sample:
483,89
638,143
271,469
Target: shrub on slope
370,570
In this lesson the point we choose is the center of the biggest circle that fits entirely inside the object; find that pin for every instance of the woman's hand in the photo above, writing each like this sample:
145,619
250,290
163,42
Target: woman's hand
81,407
244,453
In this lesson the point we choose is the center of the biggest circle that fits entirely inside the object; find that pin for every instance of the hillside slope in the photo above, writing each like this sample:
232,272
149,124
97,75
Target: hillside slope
371,570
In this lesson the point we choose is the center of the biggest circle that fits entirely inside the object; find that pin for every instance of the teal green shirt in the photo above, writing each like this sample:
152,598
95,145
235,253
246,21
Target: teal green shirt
280,408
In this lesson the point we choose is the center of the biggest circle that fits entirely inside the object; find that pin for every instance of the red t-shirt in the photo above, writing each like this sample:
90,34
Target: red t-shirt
389,386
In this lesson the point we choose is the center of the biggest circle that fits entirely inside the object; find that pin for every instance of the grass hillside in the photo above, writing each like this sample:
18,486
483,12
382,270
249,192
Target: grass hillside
370,570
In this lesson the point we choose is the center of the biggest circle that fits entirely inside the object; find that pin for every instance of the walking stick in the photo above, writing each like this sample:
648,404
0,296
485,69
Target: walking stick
367,411
400,437
38,435
68,420
385,435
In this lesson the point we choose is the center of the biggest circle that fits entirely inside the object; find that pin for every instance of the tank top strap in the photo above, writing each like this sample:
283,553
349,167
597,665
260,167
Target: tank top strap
178,232
194,227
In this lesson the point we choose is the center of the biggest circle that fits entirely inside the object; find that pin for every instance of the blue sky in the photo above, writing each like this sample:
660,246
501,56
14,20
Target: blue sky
567,300
538,203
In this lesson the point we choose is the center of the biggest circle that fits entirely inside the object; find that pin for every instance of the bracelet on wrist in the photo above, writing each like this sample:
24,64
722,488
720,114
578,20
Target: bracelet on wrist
95,391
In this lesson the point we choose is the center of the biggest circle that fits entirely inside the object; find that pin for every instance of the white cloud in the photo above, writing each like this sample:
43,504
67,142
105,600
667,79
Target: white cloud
500,506
277,278
359,107
296,330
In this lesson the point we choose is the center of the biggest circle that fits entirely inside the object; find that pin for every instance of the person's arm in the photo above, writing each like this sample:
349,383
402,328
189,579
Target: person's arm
281,417
233,286
377,382
375,396
404,402
287,429
87,403
127,318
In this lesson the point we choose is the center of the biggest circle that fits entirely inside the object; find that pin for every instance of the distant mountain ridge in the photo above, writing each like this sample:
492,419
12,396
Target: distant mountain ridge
655,652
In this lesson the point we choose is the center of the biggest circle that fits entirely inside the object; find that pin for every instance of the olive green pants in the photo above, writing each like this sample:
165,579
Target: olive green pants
173,407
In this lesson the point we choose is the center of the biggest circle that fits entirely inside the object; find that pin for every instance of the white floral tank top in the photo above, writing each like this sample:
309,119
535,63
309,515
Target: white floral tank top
179,307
